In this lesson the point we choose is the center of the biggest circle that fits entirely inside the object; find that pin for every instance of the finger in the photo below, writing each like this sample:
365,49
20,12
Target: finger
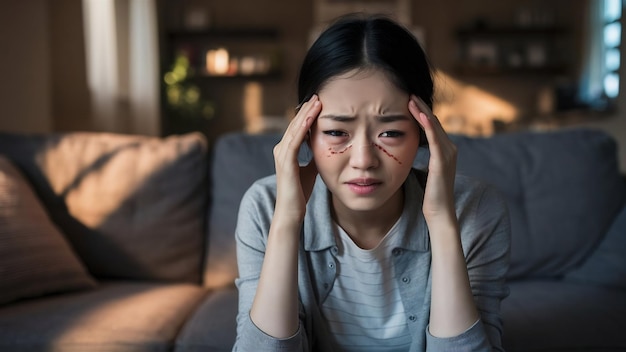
429,122
307,118
298,128
299,119
423,107
424,121
302,112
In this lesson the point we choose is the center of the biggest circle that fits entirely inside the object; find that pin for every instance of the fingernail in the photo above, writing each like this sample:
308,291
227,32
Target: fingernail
317,102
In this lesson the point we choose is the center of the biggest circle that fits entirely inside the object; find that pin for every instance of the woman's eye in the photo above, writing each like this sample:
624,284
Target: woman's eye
392,134
335,133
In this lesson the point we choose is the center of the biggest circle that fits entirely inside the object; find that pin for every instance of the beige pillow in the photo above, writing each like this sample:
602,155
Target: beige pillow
133,207
35,258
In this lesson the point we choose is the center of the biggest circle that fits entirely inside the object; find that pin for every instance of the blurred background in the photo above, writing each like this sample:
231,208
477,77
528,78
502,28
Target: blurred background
162,67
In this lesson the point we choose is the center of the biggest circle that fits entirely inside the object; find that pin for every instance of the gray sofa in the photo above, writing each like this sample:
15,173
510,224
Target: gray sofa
133,248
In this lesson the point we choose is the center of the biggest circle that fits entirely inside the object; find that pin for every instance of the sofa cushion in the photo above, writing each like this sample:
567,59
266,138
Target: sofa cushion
607,264
131,206
237,161
213,326
117,316
563,189
35,258
559,316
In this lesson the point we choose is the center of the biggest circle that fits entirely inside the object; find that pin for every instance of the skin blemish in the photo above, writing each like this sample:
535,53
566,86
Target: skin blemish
386,152
333,152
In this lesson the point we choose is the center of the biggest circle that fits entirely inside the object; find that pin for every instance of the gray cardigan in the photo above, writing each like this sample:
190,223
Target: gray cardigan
485,236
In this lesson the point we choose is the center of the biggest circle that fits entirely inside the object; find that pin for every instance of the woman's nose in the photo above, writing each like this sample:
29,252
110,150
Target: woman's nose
364,156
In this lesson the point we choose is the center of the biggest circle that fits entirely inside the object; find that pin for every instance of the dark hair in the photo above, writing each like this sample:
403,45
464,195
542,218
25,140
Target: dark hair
356,41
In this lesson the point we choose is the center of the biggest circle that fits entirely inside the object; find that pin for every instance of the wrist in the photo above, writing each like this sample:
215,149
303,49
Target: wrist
285,228
444,235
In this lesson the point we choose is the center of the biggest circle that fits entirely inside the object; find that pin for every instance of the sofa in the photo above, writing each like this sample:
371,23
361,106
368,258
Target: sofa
115,242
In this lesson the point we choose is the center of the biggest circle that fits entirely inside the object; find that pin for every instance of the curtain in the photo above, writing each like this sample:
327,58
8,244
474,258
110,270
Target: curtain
593,62
121,43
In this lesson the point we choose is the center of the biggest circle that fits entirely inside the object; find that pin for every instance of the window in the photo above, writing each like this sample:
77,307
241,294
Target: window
601,80
612,34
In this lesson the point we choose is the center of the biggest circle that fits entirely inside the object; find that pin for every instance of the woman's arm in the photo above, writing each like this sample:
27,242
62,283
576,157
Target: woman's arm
253,224
275,306
457,305
452,305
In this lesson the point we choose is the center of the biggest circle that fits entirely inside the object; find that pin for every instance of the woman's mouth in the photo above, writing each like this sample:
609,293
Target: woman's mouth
364,186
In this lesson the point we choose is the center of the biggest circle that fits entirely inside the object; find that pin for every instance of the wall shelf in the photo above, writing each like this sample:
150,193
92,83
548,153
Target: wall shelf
513,50
224,33
509,31
236,53
496,70
203,68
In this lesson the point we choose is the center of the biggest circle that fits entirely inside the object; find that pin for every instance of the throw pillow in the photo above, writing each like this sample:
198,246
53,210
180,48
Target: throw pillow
132,207
35,258
607,264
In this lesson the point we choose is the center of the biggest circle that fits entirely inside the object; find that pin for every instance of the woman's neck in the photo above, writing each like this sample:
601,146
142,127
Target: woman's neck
367,228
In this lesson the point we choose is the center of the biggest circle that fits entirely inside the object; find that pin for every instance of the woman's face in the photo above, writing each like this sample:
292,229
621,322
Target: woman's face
364,141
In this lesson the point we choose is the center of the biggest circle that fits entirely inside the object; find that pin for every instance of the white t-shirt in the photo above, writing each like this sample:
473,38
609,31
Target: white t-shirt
363,310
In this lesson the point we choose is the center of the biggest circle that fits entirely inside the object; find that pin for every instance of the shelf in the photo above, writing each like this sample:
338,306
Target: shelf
508,31
239,33
468,69
513,50
256,76
230,53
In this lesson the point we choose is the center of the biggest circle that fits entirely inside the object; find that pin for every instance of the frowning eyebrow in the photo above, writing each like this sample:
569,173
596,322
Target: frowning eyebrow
392,118
381,118
338,118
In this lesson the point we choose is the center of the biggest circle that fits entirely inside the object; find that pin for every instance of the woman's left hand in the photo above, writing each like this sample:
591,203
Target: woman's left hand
452,306
439,193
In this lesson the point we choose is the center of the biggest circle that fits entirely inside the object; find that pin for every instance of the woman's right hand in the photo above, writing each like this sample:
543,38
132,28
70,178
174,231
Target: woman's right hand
295,183
275,306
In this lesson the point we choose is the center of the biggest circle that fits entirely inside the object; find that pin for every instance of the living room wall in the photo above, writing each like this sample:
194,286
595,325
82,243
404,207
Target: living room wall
25,95
44,85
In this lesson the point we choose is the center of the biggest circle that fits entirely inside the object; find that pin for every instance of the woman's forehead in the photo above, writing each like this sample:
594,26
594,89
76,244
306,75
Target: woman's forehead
362,91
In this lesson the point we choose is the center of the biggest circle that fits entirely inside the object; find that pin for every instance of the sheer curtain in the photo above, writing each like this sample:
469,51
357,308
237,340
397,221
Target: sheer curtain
121,43
593,61
600,76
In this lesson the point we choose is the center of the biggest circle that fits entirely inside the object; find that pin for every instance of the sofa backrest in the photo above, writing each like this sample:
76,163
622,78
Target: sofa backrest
132,207
237,160
562,188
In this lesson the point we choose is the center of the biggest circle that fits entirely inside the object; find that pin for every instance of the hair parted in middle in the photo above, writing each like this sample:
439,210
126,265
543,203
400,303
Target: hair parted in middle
362,42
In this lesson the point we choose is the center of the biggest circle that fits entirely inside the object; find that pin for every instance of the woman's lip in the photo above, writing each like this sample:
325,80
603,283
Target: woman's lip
363,186
364,181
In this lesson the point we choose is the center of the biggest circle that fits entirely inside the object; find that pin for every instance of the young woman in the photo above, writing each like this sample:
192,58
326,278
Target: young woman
358,251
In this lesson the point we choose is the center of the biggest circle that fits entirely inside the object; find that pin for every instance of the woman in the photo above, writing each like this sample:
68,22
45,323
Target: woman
356,251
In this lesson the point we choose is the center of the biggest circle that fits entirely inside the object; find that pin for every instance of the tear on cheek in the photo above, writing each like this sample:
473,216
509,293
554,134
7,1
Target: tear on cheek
333,151
387,153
